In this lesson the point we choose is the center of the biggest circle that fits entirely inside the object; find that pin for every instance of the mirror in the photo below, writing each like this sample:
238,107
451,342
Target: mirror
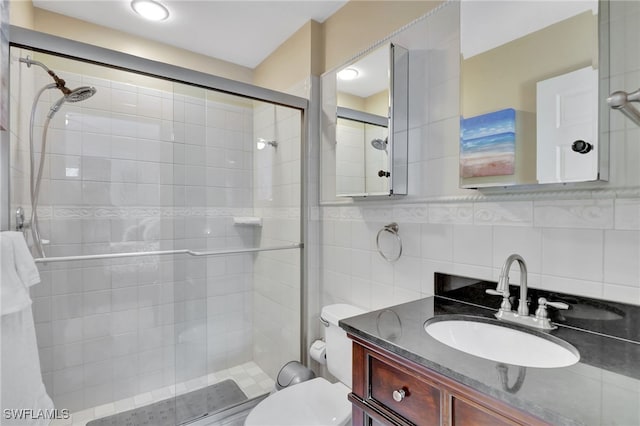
529,93
371,124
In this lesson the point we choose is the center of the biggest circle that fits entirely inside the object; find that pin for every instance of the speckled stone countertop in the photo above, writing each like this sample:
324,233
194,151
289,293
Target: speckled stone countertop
603,388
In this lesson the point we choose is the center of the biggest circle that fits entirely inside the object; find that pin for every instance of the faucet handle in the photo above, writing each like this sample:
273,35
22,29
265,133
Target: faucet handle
558,305
505,305
541,312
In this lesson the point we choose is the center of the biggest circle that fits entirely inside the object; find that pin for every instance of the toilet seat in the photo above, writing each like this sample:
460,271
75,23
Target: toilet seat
315,402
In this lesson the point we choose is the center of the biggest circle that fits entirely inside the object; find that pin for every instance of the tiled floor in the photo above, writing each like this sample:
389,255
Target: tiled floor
250,377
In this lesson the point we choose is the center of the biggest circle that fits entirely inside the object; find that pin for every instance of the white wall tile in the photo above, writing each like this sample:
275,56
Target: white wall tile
621,293
473,245
437,242
622,257
124,102
573,253
473,271
382,295
361,290
361,264
411,237
527,242
149,106
578,286
407,272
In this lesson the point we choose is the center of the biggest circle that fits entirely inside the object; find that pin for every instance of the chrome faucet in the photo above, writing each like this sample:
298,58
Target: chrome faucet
541,319
503,285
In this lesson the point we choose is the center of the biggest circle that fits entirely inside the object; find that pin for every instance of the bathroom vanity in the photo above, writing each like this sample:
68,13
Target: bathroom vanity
388,389
403,376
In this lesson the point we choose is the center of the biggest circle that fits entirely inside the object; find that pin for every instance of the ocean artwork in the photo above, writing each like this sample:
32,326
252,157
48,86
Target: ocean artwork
488,144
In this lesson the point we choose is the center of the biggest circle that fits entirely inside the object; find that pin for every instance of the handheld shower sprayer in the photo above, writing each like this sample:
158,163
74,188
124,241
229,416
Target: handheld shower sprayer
36,168
75,95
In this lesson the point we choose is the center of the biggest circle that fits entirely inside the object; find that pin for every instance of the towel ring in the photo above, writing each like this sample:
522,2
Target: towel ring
393,229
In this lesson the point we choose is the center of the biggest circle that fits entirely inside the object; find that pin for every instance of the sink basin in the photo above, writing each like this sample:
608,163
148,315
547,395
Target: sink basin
490,339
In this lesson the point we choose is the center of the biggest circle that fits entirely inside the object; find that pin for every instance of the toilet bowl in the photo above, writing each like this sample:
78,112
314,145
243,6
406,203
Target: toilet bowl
316,402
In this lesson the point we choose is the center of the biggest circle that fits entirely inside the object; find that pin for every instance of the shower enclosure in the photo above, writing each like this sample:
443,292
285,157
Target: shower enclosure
171,232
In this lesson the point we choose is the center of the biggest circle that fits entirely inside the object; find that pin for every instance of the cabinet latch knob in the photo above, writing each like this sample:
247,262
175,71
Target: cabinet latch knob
398,395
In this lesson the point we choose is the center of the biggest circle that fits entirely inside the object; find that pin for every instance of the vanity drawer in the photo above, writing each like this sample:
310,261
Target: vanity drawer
407,395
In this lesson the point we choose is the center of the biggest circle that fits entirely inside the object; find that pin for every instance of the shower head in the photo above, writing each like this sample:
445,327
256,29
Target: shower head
76,95
380,144
80,94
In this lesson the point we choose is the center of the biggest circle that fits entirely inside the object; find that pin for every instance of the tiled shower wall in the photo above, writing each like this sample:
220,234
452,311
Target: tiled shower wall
577,241
140,166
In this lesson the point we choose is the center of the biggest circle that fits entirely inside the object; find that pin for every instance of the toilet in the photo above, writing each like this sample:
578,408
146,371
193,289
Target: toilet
316,402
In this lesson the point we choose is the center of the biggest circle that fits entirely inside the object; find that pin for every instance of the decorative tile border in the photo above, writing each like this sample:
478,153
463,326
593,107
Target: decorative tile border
516,213
592,214
584,208
76,212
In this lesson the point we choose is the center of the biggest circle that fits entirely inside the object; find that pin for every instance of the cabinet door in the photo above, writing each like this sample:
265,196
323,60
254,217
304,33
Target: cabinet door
467,413
567,111
372,422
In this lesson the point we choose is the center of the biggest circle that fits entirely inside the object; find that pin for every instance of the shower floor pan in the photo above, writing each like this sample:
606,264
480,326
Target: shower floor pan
182,409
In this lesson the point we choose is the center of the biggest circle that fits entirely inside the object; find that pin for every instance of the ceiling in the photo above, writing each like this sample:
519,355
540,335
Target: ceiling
243,32
373,74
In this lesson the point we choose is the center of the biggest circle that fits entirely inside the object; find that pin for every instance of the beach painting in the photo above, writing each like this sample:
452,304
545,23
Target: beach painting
488,144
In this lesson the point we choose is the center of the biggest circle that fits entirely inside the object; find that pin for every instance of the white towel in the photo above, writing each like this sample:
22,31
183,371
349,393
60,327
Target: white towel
21,384
22,387
18,272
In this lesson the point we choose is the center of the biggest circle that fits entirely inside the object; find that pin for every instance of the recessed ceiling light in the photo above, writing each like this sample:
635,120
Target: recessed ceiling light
150,9
348,74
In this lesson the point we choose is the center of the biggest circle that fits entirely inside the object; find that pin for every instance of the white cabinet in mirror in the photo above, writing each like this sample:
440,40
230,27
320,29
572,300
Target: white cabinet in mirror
533,89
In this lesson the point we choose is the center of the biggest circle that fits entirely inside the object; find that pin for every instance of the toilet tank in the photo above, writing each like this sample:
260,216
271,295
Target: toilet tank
338,344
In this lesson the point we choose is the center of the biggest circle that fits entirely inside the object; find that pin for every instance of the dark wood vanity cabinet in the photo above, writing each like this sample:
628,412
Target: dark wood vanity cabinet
390,390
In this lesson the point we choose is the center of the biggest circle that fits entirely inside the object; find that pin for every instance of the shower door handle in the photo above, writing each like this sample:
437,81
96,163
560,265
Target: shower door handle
382,173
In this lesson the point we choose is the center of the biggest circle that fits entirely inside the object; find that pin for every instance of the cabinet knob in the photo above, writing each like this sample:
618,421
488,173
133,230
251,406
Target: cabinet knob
581,146
398,395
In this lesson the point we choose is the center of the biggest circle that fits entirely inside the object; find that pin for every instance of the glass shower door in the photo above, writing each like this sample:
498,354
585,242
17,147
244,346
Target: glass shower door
236,314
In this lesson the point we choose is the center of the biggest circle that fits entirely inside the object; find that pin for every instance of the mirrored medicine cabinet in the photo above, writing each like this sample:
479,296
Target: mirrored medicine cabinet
371,124
532,88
